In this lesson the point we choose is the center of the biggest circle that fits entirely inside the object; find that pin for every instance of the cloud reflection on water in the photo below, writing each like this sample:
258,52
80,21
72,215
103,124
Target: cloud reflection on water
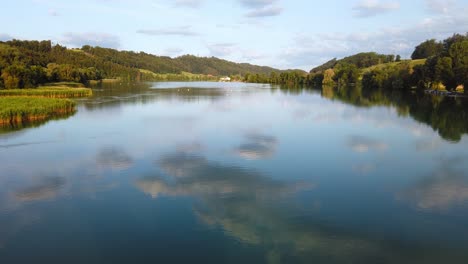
194,174
250,207
114,158
46,188
257,146
363,144
446,188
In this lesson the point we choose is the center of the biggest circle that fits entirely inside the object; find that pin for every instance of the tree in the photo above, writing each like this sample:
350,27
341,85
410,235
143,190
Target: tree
444,72
346,73
419,77
373,79
13,76
427,49
459,54
398,58
328,77
447,43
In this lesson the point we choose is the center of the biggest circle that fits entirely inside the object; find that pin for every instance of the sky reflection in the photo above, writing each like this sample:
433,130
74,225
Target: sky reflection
275,177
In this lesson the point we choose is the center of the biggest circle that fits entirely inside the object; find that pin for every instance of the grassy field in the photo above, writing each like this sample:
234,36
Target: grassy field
19,110
383,66
49,92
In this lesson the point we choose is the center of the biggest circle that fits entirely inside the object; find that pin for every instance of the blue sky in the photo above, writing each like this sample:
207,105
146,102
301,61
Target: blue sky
278,33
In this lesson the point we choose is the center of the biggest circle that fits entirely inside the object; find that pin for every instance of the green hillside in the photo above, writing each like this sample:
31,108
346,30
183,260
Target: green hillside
361,60
384,66
31,63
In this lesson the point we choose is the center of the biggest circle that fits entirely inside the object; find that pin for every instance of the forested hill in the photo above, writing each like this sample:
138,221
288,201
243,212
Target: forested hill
186,63
361,60
30,63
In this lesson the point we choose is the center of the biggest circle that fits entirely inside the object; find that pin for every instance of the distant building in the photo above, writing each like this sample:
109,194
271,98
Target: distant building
225,79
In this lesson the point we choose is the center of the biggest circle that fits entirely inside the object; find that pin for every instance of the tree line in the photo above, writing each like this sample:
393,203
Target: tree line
25,64
434,65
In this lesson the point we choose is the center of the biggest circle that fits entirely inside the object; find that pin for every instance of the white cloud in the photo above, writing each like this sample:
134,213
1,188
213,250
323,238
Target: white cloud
250,55
265,12
306,51
440,6
91,38
172,52
257,3
175,31
189,3
369,8
221,49
53,12
5,37
261,8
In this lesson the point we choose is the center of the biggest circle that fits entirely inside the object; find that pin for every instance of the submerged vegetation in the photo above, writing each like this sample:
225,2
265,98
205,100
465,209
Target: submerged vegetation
18,110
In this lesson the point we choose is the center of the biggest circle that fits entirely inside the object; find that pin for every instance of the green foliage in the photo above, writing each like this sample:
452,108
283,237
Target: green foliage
459,54
367,59
219,67
328,77
20,110
446,67
19,76
346,73
360,60
450,67
315,79
427,49
292,78
26,64
166,65
390,76
184,76
374,79
444,72
456,38
327,65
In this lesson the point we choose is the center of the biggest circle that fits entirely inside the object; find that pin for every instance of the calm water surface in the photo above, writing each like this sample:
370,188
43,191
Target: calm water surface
236,173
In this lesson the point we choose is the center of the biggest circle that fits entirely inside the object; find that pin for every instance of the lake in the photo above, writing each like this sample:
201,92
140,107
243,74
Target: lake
239,173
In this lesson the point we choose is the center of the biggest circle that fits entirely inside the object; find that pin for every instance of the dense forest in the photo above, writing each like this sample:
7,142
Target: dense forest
434,65
26,64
